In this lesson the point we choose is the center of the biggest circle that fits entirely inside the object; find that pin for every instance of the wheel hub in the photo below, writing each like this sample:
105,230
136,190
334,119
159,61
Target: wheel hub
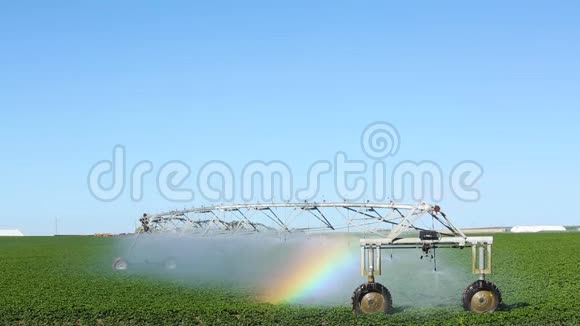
483,301
372,303
121,265
171,265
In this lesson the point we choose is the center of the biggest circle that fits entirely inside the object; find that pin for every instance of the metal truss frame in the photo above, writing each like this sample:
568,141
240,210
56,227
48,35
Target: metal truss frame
312,217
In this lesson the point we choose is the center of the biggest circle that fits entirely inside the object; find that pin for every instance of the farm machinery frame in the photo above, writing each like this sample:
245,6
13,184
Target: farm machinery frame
409,229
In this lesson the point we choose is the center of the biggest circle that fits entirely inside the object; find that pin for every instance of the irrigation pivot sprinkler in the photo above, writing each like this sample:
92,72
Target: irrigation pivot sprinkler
480,297
383,227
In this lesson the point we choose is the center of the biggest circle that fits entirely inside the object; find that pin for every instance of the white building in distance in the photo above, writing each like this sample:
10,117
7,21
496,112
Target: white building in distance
537,228
10,233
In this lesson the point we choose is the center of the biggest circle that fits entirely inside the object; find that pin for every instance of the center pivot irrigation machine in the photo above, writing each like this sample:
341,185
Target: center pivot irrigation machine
383,226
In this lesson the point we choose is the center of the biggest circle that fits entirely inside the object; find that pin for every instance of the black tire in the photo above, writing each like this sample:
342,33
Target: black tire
371,298
120,264
482,297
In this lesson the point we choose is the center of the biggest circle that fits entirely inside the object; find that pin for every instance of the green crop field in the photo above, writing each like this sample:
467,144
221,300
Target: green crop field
68,280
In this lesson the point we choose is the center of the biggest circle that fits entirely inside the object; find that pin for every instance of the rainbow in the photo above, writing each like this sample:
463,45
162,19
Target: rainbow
313,268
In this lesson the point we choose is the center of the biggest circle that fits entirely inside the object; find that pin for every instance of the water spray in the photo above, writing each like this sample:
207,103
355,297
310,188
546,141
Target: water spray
286,220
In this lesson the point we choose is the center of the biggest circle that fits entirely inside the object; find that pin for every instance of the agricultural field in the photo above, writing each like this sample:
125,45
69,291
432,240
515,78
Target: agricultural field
69,280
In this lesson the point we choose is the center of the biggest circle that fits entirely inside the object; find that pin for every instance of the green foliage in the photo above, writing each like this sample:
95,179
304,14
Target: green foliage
68,280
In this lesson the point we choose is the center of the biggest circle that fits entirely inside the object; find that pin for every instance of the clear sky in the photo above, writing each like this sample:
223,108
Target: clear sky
496,82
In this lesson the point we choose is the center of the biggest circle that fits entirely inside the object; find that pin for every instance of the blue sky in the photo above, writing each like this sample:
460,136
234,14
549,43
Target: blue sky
493,82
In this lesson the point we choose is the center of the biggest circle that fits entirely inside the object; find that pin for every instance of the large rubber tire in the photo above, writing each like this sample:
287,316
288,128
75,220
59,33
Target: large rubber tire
371,298
481,297
120,264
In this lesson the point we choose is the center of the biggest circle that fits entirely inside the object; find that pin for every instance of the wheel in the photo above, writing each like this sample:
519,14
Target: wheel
481,297
120,264
170,264
371,298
